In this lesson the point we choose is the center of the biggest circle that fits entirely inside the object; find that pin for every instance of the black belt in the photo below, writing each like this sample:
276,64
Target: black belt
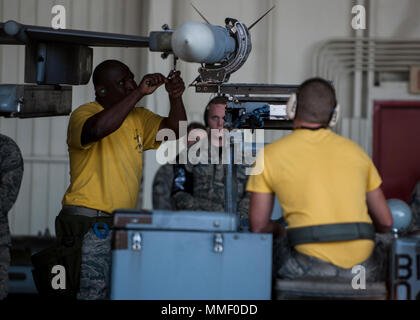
331,232
83,211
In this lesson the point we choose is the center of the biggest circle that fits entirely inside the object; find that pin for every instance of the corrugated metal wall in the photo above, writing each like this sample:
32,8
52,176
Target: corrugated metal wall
282,47
43,141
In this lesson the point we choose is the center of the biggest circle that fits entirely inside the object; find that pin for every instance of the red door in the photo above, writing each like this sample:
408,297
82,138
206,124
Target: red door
396,146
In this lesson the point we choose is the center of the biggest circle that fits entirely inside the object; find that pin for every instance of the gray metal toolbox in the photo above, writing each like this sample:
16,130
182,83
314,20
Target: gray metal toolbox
188,255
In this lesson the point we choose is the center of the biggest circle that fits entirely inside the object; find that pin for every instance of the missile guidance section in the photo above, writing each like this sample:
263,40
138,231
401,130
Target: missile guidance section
220,50
220,71
203,43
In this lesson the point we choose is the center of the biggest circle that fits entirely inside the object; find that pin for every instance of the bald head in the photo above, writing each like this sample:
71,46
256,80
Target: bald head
113,81
315,101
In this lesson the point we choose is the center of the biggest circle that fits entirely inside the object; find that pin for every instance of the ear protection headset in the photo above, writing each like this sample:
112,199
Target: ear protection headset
206,114
292,107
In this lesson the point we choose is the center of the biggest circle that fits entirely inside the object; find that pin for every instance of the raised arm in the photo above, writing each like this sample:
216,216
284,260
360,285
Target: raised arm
110,119
175,88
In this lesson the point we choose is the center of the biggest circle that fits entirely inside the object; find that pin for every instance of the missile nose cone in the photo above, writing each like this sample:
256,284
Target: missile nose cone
193,41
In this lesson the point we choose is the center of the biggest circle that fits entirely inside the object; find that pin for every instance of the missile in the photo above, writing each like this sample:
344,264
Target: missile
220,50
202,43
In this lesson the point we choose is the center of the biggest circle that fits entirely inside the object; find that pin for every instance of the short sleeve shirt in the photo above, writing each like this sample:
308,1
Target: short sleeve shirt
106,174
319,178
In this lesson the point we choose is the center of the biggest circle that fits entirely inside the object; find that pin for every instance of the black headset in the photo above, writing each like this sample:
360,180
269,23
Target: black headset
292,103
206,114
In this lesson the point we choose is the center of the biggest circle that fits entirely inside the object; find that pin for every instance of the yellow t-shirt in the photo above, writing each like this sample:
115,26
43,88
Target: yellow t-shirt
319,178
105,175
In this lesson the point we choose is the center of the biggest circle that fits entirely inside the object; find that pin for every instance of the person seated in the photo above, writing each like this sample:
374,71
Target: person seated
207,170
163,181
414,204
329,190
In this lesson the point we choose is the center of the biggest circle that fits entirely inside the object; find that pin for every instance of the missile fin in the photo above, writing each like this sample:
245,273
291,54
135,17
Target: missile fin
259,19
201,15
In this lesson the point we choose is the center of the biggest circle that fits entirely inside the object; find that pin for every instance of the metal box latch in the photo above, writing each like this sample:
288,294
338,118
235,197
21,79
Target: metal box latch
136,241
218,243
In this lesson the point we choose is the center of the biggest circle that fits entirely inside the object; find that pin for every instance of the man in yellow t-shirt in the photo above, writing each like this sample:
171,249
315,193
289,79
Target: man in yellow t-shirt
320,178
106,139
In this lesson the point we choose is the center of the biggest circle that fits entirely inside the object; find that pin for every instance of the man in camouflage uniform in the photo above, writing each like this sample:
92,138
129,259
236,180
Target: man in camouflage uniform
414,204
208,177
162,183
11,172
162,186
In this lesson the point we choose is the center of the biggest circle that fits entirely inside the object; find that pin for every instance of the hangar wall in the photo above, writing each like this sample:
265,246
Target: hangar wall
43,140
283,45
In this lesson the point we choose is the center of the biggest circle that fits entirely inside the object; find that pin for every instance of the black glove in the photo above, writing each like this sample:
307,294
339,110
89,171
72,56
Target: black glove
183,180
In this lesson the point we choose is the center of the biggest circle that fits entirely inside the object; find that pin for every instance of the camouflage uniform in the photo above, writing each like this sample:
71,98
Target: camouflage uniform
414,204
162,186
90,262
11,172
96,267
209,184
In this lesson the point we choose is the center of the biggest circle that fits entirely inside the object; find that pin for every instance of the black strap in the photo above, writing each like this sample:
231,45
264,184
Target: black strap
330,233
311,128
